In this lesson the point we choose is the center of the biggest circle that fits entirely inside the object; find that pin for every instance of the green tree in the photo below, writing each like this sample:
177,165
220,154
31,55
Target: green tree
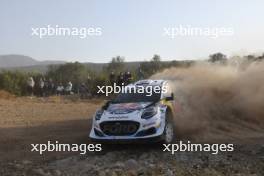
217,57
156,58
151,67
117,64
14,82
156,63
75,72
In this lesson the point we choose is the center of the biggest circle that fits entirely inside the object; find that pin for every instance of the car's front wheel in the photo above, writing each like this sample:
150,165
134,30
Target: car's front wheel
168,133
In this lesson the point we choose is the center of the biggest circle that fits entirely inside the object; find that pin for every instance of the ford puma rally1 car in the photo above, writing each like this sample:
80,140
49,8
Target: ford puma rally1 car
141,114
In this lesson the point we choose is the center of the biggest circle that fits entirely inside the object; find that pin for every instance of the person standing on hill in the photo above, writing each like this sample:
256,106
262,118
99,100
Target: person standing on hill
89,84
30,86
68,89
140,74
127,78
112,78
120,79
46,88
59,89
41,87
83,90
51,87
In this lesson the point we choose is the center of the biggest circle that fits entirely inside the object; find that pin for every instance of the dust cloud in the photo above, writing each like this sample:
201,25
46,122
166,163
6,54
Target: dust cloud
218,101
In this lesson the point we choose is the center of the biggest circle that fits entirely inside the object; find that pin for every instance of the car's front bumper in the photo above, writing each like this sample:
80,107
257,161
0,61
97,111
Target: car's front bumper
130,140
139,136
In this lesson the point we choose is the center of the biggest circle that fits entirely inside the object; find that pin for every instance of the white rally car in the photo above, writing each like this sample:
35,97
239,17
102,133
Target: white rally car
137,116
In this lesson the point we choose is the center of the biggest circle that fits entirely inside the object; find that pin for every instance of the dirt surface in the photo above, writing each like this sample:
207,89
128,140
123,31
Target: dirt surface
24,121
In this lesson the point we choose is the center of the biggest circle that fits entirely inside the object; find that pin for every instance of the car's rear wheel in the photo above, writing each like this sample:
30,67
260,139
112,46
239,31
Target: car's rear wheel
168,133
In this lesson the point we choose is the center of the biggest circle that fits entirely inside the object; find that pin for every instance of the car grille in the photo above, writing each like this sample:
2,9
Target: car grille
119,128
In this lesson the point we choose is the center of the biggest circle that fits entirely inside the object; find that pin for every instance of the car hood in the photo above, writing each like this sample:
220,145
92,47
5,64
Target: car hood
124,108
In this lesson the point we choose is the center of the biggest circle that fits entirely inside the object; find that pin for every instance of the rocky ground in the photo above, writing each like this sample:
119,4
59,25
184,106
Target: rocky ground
24,121
148,160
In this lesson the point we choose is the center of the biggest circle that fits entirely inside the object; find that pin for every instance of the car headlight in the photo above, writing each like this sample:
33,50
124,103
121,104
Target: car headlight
149,112
98,114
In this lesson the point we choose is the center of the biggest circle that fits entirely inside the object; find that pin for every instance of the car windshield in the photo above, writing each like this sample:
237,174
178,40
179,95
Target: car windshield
146,96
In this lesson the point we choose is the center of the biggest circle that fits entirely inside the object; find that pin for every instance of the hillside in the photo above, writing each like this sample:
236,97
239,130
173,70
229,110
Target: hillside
12,61
28,64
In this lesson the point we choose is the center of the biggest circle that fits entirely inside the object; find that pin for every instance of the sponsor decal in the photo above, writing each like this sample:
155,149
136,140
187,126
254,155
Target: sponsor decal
118,117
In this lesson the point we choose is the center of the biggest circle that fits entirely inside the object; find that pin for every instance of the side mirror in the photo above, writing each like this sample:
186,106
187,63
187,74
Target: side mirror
170,98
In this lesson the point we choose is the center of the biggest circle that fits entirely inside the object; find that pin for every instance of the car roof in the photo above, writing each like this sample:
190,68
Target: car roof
149,82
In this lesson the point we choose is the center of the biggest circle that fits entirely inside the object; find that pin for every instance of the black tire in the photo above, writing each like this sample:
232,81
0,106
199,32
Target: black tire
169,130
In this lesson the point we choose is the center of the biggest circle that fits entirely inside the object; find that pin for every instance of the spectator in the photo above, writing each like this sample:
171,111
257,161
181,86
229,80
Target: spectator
51,87
140,74
41,87
89,84
127,78
83,90
30,86
46,88
112,78
120,79
60,89
68,89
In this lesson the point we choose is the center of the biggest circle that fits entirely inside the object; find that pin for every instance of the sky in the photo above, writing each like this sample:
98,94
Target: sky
132,28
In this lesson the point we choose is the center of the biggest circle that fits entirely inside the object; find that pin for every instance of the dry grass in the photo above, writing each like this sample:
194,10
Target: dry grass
6,95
